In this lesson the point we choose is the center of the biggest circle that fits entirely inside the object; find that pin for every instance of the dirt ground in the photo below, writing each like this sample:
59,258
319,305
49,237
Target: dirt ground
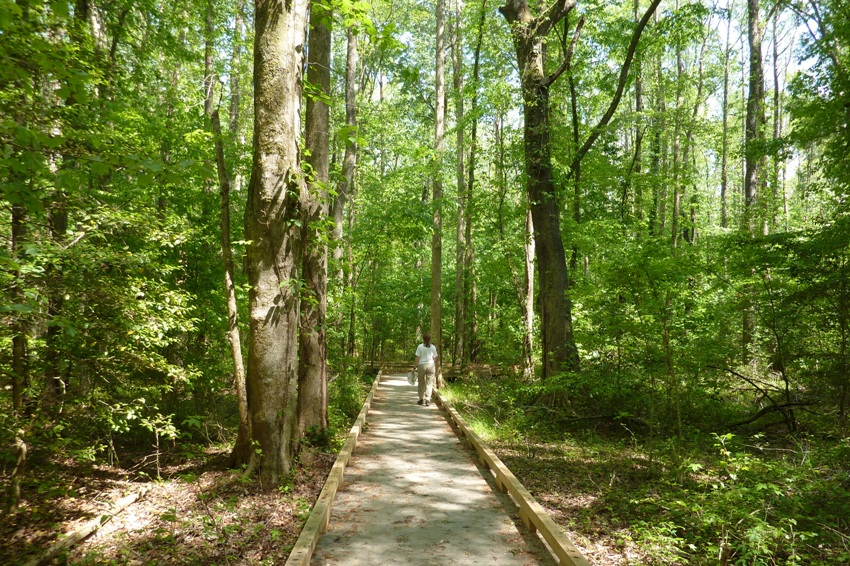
199,513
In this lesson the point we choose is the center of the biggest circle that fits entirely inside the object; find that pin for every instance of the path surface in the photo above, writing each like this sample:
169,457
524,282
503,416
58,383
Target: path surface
412,495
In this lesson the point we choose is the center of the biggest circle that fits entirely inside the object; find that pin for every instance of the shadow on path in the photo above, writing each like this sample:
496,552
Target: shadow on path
413,495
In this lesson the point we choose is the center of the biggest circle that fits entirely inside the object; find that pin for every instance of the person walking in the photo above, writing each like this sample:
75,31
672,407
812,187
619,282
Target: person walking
426,369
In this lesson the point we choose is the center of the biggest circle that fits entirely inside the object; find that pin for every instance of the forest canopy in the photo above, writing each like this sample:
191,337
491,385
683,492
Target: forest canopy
610,216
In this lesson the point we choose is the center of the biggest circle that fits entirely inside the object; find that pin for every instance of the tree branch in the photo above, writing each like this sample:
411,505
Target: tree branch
554,14
568,56
751,382
621,85
767,410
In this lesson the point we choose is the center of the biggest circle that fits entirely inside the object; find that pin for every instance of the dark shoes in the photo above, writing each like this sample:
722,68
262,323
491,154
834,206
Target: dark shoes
427,403
419,402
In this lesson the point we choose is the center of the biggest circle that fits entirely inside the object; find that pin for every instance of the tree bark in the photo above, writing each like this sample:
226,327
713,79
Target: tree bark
272,218
20,339
754,131
754,157
242,447
677,134
241,450
724,151
468,250
560,353
559,350
576,171
689,226
209,46
528,305
236,86
437,193
457,73
775,180
312,359
639,132
349,162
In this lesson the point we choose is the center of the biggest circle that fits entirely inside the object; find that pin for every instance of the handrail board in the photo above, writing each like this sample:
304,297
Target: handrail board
531,512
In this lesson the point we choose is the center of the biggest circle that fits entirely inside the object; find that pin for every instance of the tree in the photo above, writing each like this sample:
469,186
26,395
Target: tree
753,155
460,253
242,446
312,356
529,32
559,350
273,227
437,188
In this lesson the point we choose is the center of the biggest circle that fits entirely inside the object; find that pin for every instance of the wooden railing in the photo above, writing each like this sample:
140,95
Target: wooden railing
317,523
532,514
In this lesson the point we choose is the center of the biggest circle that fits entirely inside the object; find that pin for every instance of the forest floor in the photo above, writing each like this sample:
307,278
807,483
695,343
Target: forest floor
624,501
199,512
722,499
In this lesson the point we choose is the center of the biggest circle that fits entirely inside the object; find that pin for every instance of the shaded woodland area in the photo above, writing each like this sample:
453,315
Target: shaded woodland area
626,226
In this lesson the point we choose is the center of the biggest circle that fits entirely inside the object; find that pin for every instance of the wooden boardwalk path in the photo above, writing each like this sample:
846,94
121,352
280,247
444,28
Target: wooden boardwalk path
412,494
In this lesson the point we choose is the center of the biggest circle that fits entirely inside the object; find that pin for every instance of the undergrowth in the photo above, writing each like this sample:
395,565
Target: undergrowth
653,499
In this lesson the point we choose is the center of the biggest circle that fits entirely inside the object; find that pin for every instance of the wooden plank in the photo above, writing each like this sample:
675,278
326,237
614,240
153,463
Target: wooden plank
319,519
531,512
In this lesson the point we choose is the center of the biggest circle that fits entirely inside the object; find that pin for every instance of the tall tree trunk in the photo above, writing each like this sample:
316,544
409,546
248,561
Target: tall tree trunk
844,329
662,147
523,281
209,72
724,151
754,150
349,162
753,154
437,194
457,74
655,149
677,134
688,228
576,200
639,132
528,306
236,86
312,358
777,130
468,334
559,350
54,386
242,448
272,215
82,33
20,338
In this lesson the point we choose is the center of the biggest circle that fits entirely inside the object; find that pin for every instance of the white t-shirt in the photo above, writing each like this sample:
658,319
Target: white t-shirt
426,354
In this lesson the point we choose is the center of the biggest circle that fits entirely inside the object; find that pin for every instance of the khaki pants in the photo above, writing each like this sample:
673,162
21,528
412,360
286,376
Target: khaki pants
427,374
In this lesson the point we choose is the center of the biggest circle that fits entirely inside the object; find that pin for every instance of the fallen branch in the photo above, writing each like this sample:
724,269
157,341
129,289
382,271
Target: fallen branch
86,530
753,382
769,409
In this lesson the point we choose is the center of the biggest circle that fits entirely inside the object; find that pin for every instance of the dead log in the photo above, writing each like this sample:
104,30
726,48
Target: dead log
86,530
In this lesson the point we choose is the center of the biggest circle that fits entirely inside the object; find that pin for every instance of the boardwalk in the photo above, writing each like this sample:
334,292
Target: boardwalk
412,495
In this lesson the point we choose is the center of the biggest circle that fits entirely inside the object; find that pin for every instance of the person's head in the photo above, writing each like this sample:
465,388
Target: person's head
427,339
